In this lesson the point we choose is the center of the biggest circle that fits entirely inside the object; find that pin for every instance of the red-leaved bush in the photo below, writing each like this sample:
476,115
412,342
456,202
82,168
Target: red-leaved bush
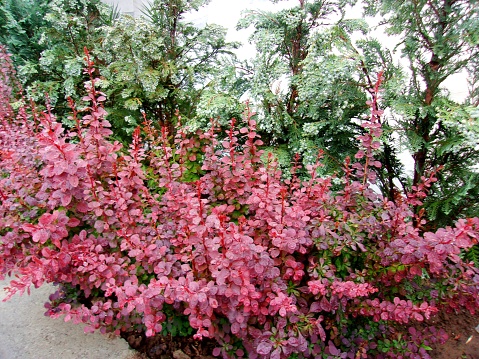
207,229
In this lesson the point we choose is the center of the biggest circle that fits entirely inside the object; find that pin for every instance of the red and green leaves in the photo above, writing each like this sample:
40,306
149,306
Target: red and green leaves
208,228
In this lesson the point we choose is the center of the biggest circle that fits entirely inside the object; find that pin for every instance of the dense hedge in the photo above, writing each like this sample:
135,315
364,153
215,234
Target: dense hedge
205,229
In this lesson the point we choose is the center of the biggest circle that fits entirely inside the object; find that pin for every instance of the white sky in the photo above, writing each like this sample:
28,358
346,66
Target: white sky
227,13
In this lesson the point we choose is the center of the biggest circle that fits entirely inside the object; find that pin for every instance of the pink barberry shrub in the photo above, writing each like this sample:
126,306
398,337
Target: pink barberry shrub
204,227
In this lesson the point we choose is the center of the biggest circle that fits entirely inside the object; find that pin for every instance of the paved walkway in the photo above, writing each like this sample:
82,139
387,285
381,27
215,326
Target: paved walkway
25,333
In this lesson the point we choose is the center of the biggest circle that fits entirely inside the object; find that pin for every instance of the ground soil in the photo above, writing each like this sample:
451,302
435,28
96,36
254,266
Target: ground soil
463,342
166,347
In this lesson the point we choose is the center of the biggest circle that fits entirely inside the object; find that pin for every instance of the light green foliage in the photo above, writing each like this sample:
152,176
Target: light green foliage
437,38
69,26
464,120
20,24
473,255
220,99
455,195
157,63
472,69
161,64
310,80
435,35
332,90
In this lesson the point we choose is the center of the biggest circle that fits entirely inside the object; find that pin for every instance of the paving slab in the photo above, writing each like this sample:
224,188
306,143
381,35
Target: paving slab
26,333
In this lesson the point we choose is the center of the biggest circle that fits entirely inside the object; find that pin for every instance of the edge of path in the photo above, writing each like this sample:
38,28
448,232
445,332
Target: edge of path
26,333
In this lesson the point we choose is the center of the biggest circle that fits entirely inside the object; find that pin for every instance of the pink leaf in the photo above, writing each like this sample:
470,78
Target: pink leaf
74,181
359,154
315,307
66,199
321,332
276,354
41,236
325,305
73,222
264,348
216,351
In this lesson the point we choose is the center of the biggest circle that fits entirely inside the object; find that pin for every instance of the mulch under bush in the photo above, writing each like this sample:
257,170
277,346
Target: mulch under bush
463,341
167,347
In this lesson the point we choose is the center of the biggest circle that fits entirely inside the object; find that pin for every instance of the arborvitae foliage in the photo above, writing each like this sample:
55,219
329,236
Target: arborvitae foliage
20,28
165,67
158,63
267,267
438,39
67,26
310,80
473,255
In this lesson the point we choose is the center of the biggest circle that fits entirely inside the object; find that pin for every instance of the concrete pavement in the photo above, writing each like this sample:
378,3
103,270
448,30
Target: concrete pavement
25,333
